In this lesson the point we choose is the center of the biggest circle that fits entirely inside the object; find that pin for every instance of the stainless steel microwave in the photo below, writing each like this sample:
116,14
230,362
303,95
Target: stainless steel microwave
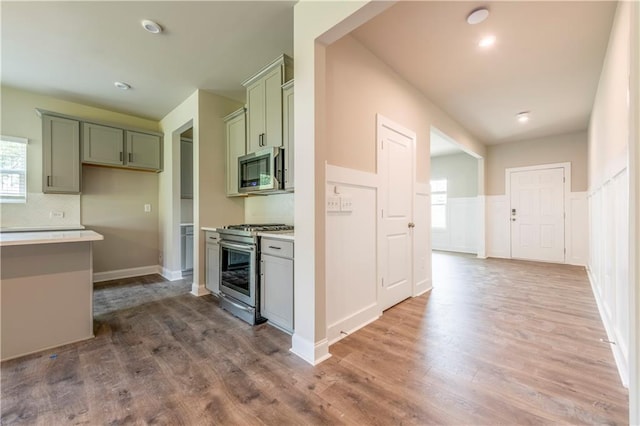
261,171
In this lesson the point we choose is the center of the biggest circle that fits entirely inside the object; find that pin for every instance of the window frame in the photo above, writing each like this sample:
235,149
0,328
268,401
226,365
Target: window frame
434,195
20,198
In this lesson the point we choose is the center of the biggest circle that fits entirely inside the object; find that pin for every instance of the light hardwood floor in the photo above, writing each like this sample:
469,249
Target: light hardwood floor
495,342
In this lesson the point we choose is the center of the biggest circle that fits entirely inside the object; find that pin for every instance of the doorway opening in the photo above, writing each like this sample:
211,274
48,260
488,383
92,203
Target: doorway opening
457,203
186,203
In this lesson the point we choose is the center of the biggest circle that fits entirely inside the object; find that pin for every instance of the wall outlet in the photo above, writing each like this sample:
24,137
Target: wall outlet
56,215
333,203
346,203
147,208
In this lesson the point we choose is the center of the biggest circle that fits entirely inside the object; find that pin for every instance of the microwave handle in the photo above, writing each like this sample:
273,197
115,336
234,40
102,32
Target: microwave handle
278,168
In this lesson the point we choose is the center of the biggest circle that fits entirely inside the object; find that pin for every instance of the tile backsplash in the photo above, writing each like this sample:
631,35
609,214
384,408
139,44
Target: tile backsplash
36,212
276,208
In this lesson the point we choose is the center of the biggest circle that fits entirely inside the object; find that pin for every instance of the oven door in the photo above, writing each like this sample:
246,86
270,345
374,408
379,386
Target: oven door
238,271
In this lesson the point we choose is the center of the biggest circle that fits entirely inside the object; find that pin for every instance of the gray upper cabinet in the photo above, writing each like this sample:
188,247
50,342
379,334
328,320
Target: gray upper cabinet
113,146
61,155
235,124
144,151
287,134
264,103
186,168
102,145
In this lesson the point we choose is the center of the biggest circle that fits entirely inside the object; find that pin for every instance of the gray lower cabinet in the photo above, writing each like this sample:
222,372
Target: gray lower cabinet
60,155
276,282
212,264
187,247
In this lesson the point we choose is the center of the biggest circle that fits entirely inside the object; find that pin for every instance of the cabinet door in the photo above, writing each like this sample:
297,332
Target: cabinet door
61,155
213,267
188,257
273,109
276,288
143,151
102,145
236,147
186,169
255,116
287,136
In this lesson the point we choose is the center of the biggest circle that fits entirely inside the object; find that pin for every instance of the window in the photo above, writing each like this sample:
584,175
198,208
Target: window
13,169
439,204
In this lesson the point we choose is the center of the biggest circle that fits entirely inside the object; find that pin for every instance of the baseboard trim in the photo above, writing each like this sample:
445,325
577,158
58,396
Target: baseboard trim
171,275
126,273
313,353
422,287
352,323
199,290
618,356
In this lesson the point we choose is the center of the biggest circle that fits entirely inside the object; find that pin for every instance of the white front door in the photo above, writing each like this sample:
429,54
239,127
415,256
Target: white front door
537,215
396,170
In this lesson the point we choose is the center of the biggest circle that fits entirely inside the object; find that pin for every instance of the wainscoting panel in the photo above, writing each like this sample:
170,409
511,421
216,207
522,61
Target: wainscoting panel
351,253
609,263
497,227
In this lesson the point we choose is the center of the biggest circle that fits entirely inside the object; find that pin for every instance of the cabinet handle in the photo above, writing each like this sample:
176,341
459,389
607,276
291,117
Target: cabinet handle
130,157
275,248
48,180
260,139
121,156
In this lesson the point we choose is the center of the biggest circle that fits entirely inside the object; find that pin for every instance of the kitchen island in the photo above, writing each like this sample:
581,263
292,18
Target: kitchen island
46,290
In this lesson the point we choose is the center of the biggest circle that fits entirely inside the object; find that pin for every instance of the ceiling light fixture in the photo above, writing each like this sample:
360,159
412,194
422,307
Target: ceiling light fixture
151,26
477,16
487,41
523,116
122,85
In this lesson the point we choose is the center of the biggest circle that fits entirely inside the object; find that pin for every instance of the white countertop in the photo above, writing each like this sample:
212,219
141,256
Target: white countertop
47,237
41,228
288,235
208,228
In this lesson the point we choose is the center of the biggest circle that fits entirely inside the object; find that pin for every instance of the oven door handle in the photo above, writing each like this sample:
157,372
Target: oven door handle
244,308
242,247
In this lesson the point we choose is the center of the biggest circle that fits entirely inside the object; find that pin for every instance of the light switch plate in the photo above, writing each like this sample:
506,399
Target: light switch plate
346,203
333,203
147,208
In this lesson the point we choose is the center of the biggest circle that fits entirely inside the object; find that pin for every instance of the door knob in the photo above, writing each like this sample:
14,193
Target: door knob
513,219
412,225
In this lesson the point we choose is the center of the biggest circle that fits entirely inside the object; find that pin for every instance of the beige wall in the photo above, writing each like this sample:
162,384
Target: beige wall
609,125
461,172
112,204
358,86
107,202
554,149
204,112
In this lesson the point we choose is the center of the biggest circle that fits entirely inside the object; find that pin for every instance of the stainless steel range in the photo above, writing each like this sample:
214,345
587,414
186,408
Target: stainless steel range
240,268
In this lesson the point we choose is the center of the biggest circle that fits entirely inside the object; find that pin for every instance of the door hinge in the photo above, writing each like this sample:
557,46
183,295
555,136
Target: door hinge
564,179
382,282
381,212
381,143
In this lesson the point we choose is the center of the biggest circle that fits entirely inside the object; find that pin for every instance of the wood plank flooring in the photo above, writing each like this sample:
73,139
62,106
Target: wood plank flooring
495,342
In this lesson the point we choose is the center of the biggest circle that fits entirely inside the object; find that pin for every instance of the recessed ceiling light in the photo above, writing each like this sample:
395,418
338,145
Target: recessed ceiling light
122,85
478,15
487,41
523,116
151,26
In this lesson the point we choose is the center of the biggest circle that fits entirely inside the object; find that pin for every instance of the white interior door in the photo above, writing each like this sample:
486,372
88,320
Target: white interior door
395,167
537,215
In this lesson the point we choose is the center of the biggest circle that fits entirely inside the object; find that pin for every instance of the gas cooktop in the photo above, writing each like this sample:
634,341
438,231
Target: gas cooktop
260,227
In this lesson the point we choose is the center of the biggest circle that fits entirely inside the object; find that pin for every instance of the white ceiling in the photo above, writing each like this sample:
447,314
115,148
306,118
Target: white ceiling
76,50
547,58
